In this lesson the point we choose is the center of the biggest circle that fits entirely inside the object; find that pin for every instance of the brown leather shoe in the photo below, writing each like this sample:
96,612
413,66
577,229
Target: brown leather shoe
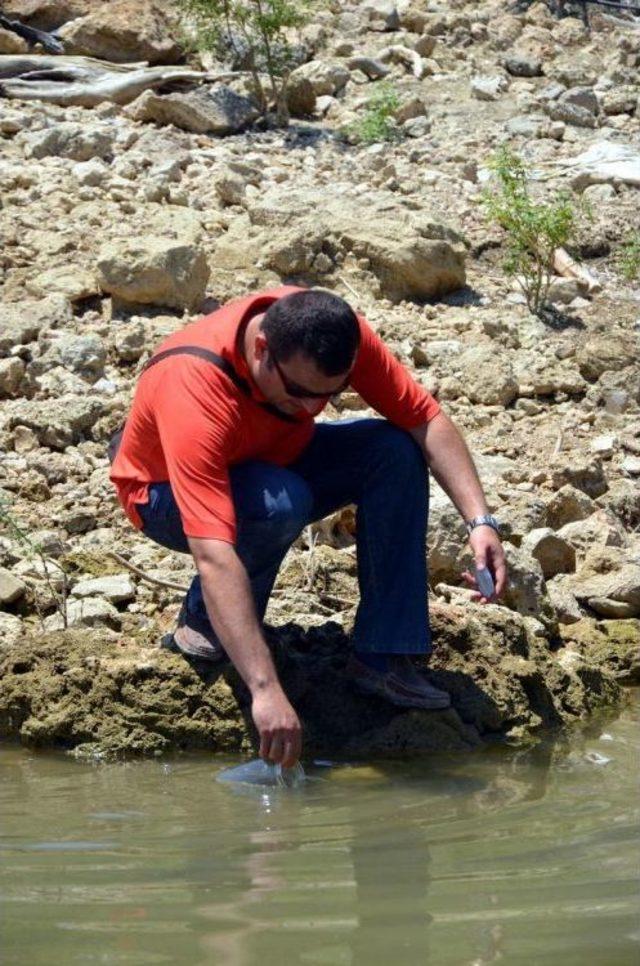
192,643
402,685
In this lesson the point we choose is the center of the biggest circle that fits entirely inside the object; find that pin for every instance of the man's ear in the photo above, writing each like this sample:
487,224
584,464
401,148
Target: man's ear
260,345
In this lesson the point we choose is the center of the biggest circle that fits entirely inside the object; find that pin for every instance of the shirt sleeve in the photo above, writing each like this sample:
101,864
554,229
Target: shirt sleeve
198,423
385,384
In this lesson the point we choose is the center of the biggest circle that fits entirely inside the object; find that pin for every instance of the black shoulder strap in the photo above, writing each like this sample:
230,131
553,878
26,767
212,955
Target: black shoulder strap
220,363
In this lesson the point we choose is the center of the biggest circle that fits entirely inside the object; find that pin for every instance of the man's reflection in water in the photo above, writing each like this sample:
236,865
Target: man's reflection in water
391,872
347,879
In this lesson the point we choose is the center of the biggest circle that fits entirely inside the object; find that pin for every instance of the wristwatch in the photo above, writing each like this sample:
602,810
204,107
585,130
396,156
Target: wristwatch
487,520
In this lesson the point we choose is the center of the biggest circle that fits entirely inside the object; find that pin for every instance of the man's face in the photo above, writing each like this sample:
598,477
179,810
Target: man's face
286,384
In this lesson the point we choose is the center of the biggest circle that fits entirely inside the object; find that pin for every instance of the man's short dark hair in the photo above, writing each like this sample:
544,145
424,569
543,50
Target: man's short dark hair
317,324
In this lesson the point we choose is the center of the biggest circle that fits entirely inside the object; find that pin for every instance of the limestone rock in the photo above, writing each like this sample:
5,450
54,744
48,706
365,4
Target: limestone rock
84,354
623,499
46,14
621,100
123,31
577,106
523,65
488,376
115,588
583,472
154,270
10,43
412,255
563,602
91,173
68,139
526,590
11,588
567,505
129,342
554,554
216,110
71,282
88,612
11,373
381,14
488,88
615,594
58,423
301,98
600,353
325,77
120,696
446,540
608,643
11,631
599,529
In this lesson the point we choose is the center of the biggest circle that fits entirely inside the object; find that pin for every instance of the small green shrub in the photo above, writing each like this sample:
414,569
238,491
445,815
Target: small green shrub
257,31
629,257
534,229
377,122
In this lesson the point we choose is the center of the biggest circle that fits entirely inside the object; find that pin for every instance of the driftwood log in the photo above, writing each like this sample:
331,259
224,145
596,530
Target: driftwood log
49,42
85,82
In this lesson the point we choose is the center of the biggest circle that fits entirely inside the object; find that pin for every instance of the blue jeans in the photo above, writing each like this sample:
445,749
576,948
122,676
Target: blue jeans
368,462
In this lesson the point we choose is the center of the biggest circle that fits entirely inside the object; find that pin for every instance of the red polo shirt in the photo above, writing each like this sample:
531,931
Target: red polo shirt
189,422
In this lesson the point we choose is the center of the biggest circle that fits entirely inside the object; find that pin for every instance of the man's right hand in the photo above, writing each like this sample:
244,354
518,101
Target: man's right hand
278,726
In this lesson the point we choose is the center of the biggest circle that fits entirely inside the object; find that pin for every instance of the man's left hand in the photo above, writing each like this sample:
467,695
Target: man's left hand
488,552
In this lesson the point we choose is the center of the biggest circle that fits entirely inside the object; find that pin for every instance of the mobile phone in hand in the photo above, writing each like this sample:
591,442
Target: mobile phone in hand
485,583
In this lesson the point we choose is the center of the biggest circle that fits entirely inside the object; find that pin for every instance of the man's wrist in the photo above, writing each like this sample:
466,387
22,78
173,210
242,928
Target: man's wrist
484,520
263,683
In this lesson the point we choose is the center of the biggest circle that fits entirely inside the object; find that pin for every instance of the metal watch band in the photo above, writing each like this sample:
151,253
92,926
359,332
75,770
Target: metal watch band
487,520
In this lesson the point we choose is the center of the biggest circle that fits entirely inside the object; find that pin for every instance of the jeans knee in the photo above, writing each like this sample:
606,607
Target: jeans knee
288,505
398,448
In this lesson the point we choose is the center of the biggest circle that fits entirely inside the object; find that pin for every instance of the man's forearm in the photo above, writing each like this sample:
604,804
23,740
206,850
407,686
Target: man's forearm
229,602
450,462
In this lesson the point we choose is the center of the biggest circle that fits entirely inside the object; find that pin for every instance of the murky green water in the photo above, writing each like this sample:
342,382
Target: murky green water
501,856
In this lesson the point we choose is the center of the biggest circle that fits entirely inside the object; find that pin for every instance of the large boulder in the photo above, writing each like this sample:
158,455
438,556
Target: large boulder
211,110
411,255
154,270
103,692
122,31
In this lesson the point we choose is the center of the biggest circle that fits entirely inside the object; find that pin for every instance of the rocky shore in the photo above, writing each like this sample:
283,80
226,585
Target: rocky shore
120,221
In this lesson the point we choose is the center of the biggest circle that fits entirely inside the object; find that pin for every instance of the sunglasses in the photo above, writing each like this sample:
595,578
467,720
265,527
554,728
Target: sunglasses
299,392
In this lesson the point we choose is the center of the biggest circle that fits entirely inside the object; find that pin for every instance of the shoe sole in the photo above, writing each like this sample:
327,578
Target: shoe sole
402,701
169,643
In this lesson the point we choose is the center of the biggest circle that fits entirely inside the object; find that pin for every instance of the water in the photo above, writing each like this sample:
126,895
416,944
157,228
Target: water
511,856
